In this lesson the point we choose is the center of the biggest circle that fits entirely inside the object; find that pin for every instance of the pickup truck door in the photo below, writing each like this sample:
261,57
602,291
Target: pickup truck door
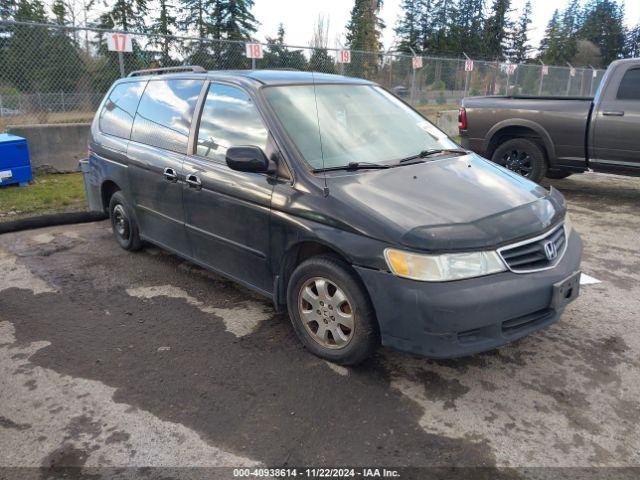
227,213
614,140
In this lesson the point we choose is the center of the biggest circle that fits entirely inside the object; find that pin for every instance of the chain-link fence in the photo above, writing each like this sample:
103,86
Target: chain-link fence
59,74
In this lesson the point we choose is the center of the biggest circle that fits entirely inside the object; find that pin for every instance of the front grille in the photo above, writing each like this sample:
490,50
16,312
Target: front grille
530,255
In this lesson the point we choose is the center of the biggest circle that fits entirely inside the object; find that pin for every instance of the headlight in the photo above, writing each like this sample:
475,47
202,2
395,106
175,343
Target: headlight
568,226
442,268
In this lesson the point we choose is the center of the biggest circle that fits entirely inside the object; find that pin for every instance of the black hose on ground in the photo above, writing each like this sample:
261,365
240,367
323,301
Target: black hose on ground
51,220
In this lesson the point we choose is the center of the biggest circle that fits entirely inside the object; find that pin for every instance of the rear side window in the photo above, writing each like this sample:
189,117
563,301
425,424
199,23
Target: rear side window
630,85
229,119
164,114
116,117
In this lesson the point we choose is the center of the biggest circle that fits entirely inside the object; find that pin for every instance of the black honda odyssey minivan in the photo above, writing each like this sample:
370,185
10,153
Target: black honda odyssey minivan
339,202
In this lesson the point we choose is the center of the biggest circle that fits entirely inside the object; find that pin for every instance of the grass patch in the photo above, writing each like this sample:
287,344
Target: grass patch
48,193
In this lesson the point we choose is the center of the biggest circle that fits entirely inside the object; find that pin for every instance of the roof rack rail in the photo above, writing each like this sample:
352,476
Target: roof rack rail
160,71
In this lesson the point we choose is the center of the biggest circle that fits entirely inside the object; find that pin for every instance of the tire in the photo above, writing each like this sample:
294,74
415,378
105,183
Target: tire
124,226
315,310
522,156
558,174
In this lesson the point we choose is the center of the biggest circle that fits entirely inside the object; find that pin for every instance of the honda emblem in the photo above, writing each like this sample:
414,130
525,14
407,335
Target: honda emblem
550,250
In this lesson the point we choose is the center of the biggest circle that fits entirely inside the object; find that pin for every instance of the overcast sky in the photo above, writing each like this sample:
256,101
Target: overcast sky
299,16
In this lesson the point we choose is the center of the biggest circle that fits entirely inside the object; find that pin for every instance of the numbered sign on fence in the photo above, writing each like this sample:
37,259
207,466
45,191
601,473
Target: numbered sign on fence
511,69
253,50
119,42
417,62
572,72
344,56
545,70
468,66
594,74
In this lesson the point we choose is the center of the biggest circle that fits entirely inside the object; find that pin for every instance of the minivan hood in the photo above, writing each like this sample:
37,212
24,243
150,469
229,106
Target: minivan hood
454,203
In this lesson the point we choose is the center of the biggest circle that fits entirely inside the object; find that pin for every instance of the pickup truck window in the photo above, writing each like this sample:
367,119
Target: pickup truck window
164,114
229,118
630,85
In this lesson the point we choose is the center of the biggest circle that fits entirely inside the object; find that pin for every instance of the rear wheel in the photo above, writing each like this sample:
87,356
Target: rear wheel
123,223
331,312
522,156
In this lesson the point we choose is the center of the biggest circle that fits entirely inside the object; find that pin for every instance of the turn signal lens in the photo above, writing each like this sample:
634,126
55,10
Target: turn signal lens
443,268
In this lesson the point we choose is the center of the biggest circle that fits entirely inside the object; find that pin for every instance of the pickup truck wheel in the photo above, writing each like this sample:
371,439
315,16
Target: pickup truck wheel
331,312
522,156
123,224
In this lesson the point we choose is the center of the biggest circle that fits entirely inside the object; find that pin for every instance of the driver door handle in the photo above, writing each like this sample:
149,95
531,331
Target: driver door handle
618,113
193,181
170,175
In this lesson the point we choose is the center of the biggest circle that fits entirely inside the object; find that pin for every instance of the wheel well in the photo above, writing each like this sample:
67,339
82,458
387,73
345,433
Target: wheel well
509,133
294,257
106,191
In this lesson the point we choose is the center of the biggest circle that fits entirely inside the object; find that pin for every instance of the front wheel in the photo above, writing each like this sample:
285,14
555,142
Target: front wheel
331,312
522,156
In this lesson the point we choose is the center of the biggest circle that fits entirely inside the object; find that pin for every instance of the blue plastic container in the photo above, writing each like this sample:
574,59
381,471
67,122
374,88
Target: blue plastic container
15,166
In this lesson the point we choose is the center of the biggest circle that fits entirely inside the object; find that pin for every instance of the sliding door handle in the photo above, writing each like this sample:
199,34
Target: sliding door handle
193,181
170,175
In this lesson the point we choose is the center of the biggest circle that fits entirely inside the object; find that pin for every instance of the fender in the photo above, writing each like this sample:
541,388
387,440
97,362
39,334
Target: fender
521,122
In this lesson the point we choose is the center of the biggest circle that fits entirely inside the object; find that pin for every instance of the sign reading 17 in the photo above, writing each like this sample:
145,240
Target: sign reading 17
119,42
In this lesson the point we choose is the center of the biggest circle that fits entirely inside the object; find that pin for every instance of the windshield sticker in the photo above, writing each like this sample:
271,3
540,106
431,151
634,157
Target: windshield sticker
431,130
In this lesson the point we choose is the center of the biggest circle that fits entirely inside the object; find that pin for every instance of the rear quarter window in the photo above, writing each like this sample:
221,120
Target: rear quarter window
118,111
164,114
629,88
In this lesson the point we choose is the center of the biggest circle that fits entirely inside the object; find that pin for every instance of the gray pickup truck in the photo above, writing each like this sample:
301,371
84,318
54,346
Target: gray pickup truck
558,136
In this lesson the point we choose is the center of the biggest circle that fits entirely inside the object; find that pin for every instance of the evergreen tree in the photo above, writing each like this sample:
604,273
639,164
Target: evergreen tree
552,42
467,26
497,28
59,10
633,42
408,30
320,60
238,23
125,15
363,33
164,26
279,56
604,26
519,46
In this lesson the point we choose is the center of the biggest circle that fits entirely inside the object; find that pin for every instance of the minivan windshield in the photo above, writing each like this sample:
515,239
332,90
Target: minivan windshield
334,125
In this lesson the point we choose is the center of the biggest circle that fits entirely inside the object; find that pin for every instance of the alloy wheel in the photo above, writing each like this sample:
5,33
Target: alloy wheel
326,313
518,161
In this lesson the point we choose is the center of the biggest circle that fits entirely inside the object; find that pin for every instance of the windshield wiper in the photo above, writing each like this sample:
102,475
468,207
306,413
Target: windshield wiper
352,166
429,153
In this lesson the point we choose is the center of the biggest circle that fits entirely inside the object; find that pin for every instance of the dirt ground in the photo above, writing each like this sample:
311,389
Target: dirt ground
113,359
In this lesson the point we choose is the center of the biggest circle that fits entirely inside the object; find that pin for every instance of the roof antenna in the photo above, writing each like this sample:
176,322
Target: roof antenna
325,190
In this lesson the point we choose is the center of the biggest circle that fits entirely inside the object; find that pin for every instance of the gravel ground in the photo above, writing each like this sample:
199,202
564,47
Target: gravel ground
112,359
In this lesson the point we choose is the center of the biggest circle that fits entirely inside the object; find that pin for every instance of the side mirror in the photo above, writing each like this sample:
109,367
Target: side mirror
248,159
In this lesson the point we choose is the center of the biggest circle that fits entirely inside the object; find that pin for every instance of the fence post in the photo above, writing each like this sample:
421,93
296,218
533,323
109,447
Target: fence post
593,76
466,79
413,79
121,63
1,107
569,81
62,100
541,79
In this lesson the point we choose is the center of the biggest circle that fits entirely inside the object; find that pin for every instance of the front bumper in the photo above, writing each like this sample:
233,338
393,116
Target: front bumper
453,319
